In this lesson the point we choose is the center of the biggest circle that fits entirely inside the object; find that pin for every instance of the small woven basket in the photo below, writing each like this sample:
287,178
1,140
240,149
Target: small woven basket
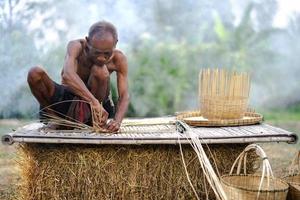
250,187
293,178
223,94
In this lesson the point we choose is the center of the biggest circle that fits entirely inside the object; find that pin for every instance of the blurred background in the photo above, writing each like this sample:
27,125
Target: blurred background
166,43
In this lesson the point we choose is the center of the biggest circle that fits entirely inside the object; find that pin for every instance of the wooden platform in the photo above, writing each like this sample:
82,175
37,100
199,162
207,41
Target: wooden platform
152,131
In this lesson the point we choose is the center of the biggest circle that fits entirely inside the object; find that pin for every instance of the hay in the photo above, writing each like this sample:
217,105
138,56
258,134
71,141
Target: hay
52,171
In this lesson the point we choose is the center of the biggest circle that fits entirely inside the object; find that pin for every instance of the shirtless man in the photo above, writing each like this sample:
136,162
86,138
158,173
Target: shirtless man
86,75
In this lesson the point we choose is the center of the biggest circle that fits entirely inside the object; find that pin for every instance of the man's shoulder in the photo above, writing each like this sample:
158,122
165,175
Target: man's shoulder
119,57
120,60
76,43
118,54
75,47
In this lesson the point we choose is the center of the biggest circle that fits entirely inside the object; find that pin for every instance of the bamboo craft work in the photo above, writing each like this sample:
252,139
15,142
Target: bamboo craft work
223,94
293,178
61,120
96,118
195,118
243,186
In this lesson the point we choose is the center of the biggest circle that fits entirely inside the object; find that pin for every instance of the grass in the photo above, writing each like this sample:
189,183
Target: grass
8,168
290,114
9,125
281,154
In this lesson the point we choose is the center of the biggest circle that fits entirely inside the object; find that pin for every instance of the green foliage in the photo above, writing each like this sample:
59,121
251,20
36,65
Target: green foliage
21,105
237,46
158,77
15,61
166,49
281,115
18,54
53,61
131,111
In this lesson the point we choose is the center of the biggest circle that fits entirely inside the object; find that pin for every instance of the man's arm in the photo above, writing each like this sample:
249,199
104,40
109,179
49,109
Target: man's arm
122,83
71,79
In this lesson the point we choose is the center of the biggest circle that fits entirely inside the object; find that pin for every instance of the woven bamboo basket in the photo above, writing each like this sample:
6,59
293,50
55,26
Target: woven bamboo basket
223,94
293,178
248,187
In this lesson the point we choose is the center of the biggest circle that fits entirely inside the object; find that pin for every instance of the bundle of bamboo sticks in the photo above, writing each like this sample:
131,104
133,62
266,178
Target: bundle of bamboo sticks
61,120
223,94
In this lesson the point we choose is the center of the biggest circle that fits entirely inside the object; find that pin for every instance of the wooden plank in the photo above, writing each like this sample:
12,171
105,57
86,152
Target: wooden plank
133,141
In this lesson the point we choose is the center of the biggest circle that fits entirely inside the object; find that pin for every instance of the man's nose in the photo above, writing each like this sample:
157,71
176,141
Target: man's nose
101,58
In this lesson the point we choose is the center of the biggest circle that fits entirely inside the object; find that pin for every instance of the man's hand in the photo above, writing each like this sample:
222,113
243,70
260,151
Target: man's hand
98,109
113,126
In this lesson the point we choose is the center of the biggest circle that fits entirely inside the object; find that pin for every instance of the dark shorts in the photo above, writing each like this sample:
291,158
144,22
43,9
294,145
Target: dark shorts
62,100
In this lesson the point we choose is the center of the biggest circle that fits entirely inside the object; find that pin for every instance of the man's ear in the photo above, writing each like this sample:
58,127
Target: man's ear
116,43
87,39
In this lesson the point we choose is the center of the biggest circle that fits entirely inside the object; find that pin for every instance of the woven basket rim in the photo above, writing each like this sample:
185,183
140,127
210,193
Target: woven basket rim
291,182
251,190
257,118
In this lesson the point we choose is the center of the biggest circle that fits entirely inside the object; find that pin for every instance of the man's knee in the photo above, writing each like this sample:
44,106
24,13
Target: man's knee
100,73
35,74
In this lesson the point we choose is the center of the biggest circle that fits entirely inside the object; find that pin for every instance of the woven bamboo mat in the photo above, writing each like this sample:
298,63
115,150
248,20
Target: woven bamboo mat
195,118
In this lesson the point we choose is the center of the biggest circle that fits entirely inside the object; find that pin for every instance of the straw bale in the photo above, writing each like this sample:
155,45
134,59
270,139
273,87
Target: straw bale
79,172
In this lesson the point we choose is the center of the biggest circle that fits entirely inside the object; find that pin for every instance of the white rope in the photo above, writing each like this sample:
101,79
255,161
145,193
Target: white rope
266,167
206,166
186,172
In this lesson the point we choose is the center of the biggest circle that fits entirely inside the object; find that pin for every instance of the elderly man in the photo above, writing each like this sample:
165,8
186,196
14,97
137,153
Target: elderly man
85,76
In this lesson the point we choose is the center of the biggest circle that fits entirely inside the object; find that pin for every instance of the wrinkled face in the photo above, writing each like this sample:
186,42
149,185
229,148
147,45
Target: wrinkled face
100,50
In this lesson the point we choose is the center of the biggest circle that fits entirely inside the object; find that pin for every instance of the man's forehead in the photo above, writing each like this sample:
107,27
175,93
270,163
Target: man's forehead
102,37
102,43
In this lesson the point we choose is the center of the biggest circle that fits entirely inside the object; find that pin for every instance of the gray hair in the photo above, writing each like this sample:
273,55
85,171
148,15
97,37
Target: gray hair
99,29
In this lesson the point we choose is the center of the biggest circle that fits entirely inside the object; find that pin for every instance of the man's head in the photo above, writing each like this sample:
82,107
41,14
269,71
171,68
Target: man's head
101,41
